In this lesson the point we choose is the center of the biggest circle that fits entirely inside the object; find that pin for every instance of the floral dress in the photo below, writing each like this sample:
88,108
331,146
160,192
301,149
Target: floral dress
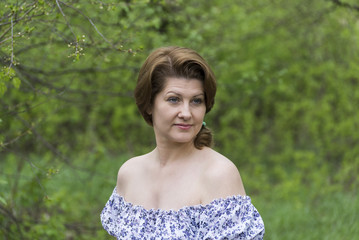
234,217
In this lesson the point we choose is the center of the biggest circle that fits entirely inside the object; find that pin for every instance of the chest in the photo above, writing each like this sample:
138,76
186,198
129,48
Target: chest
166,190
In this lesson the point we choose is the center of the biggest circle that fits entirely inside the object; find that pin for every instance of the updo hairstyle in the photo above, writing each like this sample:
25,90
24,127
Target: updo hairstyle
174,62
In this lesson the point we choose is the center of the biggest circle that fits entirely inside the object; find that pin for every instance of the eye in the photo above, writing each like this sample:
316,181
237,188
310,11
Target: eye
173,99
197,101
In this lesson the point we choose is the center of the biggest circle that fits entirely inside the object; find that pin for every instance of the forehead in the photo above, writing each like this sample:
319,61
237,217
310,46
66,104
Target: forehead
183,85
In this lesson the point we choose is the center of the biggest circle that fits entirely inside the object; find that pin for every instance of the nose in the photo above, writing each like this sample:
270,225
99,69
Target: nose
185,112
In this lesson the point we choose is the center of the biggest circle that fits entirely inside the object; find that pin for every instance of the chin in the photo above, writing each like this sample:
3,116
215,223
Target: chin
183,140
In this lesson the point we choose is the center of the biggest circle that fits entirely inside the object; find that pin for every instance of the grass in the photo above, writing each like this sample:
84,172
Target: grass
331,216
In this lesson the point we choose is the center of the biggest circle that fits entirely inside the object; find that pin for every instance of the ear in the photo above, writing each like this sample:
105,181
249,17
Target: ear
149,110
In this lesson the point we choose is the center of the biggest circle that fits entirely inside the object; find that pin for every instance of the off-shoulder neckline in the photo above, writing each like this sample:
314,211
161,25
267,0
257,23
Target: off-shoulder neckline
214,202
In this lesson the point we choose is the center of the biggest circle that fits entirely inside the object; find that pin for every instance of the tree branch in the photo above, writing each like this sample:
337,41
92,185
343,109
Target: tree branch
62,89
91,22
22,17
346,5
68,24
9,214
12,44
3,145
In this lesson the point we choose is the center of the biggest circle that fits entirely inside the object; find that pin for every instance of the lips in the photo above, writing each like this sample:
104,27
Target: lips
183,126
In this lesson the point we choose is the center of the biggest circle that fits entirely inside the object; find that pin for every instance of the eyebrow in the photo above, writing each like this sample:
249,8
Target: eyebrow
200,94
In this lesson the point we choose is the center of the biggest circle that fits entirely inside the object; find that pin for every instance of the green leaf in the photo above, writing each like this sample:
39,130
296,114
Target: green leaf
3,201
3,88
16,82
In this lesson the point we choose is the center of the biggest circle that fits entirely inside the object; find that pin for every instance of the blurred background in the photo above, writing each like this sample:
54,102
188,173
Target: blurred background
286,110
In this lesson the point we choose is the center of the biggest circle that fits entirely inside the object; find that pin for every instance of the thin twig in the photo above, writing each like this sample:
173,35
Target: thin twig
91,22
34,167
4,33
12,44
3,145
77,70
23,16
10,215
68,24
6,39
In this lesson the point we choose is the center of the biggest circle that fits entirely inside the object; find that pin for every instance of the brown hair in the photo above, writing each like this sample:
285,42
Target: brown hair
177,62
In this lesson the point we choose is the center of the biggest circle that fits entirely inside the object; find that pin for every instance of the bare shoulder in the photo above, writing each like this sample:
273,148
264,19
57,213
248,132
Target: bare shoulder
221,177
128,171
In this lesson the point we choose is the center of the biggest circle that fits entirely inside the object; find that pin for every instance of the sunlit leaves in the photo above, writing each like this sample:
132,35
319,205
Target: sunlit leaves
8,76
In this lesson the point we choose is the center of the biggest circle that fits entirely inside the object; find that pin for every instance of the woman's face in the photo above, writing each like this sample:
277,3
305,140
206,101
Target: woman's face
178,110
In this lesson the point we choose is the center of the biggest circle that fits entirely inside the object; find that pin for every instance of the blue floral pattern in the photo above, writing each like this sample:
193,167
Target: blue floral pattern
234,217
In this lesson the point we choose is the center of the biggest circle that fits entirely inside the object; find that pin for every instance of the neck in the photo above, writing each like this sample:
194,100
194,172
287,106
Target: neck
172,153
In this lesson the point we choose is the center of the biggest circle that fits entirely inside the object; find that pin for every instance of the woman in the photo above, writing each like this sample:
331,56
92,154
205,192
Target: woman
183,189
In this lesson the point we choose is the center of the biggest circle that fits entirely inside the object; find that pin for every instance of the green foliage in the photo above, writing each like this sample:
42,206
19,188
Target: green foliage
305,216
7,75
285,112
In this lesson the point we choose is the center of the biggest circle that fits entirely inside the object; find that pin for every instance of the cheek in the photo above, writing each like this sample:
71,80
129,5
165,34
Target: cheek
164,113
202,112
